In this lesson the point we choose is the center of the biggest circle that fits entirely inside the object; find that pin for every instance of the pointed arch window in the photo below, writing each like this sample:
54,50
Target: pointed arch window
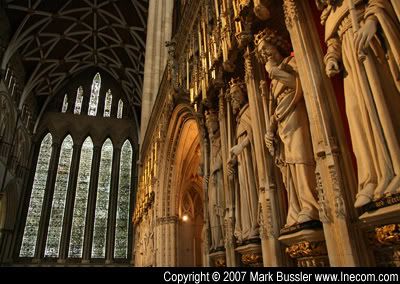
81,199
59,198
102,198
107,104
120,108
124,189
36,202
65,104
78,101
94,95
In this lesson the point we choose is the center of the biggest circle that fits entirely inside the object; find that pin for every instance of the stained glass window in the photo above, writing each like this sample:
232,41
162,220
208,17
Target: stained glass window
65,104
103,193
94,95
120,109
78,101
36,202
122,224
59,198
81,199
107,105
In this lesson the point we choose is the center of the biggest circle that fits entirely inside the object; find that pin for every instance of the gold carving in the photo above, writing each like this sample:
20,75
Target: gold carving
220,261
306,249
252,259
388,234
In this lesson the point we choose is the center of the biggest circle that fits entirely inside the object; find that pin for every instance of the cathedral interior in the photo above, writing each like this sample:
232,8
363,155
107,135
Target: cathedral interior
200,133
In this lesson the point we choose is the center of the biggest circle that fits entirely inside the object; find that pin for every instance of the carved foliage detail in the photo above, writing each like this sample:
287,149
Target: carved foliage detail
291,12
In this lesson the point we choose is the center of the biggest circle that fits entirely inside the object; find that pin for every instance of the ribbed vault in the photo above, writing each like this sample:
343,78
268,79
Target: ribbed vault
59,38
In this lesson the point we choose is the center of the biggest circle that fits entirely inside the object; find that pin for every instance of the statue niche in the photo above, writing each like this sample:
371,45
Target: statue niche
288,136
215,187
242,156
363,38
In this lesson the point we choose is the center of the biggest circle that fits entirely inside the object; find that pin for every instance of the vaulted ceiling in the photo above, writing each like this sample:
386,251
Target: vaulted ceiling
60,38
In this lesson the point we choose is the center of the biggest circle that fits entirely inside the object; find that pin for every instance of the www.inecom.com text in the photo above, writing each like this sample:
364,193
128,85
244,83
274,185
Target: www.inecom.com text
276,276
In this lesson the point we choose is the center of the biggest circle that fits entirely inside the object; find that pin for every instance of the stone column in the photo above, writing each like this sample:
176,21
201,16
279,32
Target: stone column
134,189
69,206
266,193
335,182
47,202
206,229
94,178
159,29
112,207
226,133
167,227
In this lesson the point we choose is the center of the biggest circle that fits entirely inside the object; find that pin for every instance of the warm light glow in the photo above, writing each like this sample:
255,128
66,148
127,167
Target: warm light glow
185,218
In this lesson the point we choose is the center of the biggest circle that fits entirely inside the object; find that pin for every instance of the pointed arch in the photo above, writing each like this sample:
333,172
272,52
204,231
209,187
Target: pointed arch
36,201
124,189
107,104
78,100
59,199
182,156
120,109
81,200
65,104
102,199
94,95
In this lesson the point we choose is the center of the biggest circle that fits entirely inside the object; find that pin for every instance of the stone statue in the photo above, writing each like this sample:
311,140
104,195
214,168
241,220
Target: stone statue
242,156
288,135
215,187
363,37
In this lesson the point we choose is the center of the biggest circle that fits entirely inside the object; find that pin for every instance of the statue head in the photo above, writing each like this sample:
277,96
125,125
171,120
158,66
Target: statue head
261,11
270,46
236,94
212,122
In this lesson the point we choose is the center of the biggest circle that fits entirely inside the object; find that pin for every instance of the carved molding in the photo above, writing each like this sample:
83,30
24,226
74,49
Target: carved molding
221,104
340,207
291,12
167,220
229,238
266,226
248,66
323,204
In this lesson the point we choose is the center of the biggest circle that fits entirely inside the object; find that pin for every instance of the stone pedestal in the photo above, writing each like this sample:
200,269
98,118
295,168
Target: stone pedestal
382,228
250,255
306,247
218,258
378,214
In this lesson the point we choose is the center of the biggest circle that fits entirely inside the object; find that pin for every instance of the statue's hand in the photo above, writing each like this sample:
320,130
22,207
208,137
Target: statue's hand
231,167
271,67
269,142
332,68
236,150
364,35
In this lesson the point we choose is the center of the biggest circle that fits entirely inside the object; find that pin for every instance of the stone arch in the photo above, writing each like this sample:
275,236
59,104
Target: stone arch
182,116
182,155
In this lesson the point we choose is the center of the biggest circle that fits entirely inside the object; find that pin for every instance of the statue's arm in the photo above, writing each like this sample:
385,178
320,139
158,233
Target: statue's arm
333,56
286,78
237,149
